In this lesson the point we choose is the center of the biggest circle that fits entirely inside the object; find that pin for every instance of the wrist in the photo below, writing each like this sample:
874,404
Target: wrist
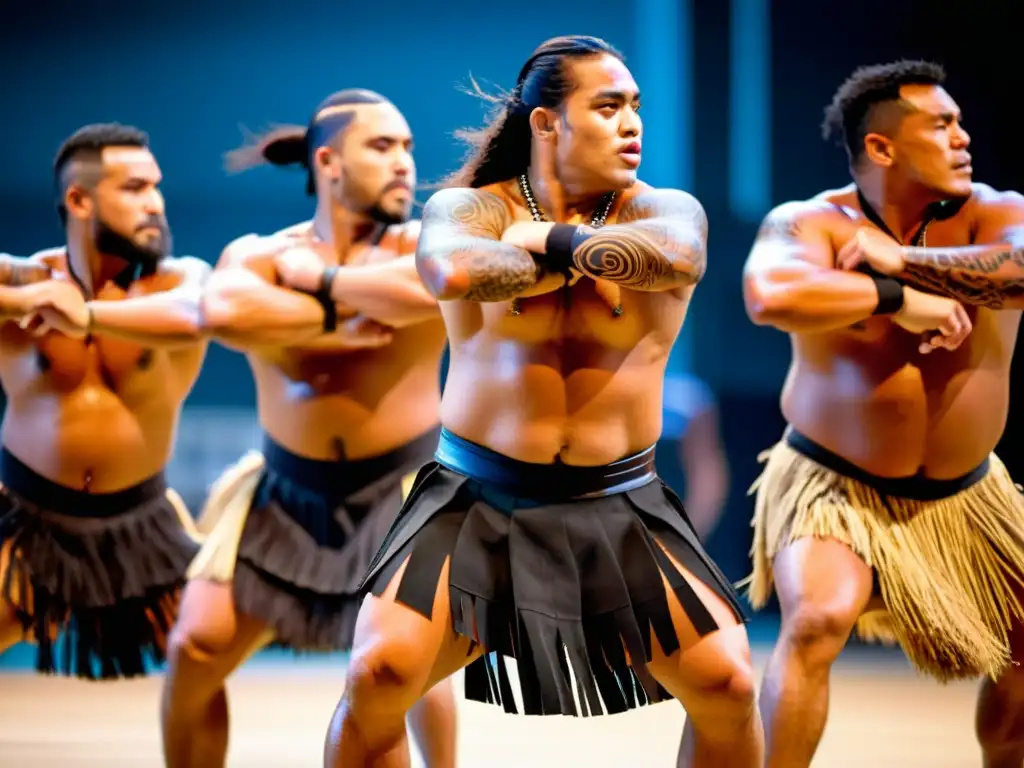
891,295
560,245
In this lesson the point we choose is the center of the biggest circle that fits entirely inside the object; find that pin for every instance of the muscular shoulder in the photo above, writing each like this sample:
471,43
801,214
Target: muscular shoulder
480,211
988,200
52,258
187,267
249,250
643,201
787,220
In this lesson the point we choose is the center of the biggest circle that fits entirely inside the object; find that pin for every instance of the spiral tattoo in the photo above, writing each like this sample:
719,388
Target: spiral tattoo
658,242
460,250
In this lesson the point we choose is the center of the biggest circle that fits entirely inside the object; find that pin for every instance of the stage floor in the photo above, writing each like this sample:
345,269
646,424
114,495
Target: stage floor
882,715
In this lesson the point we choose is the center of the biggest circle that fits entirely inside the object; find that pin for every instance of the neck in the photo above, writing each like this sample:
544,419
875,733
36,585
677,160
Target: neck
553,194
90,268
902,207
341,228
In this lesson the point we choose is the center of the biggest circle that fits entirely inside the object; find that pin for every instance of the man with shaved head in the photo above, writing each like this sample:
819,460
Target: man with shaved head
100,344
345,344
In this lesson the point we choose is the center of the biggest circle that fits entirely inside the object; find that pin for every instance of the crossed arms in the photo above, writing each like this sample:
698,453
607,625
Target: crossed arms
658,243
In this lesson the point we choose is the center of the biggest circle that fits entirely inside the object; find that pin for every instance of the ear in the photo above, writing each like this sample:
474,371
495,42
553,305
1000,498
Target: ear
544,123
324,161
879,149
79,203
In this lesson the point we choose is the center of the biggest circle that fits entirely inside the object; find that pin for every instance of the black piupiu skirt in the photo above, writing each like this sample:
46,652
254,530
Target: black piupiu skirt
555,566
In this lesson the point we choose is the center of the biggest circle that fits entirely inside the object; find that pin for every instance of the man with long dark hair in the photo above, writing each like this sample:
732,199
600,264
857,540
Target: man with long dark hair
541,531
883,507
344,343
93,544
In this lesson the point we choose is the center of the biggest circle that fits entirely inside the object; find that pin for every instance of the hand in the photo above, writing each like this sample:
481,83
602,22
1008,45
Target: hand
529,235
55,305
300,267
943,322
873,248
365,333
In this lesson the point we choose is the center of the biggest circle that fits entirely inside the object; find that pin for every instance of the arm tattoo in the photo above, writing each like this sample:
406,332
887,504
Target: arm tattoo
16,271
658,242
460,253
983,275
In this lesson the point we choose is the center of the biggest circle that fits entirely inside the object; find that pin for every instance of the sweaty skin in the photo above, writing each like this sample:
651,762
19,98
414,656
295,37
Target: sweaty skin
350,394
566,378
865,392
99,413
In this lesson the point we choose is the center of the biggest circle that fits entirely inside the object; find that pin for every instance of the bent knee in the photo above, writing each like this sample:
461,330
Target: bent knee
200,642
819,631
387,669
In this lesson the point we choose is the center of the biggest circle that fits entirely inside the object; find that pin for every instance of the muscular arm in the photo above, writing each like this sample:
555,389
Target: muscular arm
15,273
164,318
659,242
244,308
789,280
460,254
389,292
988,275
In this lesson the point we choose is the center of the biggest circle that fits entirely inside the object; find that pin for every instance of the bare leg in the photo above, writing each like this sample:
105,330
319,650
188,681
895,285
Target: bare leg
208,642
397,656
999,720
432,722
823,588
713,678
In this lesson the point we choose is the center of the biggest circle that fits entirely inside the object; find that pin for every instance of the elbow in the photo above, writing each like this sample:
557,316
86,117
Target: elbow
766,304
219,314
440,279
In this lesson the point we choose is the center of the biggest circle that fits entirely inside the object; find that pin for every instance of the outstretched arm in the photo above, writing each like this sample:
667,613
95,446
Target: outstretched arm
168,317
461,255
989,275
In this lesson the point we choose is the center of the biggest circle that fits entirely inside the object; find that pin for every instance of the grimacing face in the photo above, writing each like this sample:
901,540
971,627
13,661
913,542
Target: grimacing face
373,160
930,145
600,132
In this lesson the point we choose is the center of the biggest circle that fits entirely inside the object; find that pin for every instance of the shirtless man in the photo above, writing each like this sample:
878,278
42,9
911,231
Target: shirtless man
92,542
344,343
885,485
541,529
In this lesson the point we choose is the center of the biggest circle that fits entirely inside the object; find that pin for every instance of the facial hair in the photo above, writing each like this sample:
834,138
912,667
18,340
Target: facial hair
113,243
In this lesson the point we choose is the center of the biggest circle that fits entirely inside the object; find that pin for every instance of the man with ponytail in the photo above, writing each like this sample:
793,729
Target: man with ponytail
345,344
540,531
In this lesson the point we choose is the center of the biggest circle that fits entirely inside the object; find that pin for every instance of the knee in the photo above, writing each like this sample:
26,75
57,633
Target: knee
817,633
197,644
389,673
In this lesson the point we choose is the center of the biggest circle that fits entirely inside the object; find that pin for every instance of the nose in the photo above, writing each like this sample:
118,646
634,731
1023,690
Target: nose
154,203
403,163
631,125
964,137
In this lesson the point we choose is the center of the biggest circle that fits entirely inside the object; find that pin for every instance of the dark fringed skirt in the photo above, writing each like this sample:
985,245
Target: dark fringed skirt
105,570
310,528
555,566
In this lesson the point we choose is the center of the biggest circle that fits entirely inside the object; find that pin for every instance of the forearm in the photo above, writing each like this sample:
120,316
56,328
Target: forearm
162,320
12,302
16,271
647,255
261,316
983,275
390,292
477,269
826,300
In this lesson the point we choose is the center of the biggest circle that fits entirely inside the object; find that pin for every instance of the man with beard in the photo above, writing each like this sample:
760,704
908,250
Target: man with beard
92,542
344,343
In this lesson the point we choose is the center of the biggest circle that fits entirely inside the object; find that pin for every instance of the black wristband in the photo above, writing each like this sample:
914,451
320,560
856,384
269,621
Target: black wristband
323,295
558,247
890,295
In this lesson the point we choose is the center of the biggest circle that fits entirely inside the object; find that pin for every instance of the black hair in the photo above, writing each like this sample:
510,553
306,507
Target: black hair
87,144
294,144
501,149
856,102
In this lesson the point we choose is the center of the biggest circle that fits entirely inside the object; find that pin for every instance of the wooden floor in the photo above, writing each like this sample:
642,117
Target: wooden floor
882,715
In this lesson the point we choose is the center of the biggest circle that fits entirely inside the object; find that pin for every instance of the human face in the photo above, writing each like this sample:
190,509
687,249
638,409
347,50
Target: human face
375,165
930,145
599,141
128,217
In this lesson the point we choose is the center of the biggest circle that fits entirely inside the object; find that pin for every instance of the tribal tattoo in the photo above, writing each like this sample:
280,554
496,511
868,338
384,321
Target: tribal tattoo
460,254
986,276
659,241
15,271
